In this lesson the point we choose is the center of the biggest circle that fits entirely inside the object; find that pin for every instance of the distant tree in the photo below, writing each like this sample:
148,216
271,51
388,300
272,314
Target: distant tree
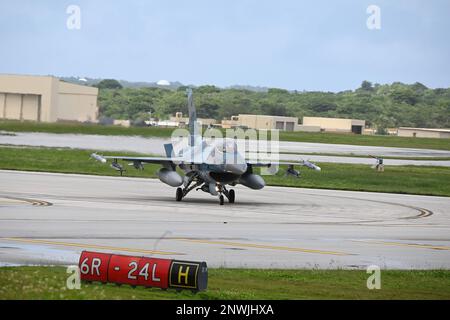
273,109
440,91
108,84
382,131
207,89
208,110
277,91
405,95
323,106
182,88
366,86
419,87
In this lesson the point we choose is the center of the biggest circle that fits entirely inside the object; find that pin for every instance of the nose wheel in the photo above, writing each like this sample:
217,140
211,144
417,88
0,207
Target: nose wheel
229,194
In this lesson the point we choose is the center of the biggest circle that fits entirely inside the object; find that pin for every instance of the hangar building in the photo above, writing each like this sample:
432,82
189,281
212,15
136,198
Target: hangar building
46,99
310,124
423,132
335,124
256,121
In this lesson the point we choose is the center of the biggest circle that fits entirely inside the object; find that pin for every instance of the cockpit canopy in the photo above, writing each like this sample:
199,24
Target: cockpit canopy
226,146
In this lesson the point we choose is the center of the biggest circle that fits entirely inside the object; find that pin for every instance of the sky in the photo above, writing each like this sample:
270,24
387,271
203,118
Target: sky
296,45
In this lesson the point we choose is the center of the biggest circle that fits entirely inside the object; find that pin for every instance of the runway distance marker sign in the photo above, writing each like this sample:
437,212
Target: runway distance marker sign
143,271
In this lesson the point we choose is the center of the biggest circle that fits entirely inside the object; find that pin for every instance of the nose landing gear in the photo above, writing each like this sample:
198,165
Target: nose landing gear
230,194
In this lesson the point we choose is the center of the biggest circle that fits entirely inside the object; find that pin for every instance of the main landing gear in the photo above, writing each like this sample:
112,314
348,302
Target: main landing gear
221,190
179,194
188,186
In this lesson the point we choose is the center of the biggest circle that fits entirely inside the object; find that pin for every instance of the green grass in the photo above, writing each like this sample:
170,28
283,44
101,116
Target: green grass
223,284
367,140
359,177
334,138
65,160
79,128
352,155
395,179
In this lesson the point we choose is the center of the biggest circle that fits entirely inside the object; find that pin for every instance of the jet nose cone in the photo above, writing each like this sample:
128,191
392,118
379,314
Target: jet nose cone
236,168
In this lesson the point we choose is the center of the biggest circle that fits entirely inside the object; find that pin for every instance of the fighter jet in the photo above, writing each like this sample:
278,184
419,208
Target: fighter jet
211,166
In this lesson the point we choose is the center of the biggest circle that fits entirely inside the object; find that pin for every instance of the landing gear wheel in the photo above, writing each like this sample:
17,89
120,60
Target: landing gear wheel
179,194
221,200
231,196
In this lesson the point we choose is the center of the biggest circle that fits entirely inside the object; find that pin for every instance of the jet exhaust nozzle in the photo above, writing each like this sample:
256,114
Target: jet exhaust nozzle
170,177
252,181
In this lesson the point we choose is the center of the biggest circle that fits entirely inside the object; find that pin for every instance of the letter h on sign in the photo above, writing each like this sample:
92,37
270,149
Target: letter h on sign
183,274
188,275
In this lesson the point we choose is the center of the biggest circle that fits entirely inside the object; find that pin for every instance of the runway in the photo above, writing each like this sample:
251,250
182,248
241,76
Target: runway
48,218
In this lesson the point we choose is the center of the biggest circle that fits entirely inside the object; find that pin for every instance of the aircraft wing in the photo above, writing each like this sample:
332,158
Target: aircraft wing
271,163
158,160
268,164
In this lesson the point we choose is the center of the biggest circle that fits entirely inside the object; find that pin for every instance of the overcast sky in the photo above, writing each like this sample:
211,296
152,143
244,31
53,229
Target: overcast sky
302,45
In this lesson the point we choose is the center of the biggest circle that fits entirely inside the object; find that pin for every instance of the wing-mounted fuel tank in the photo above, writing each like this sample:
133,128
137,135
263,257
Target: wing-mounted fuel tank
252,181
170,177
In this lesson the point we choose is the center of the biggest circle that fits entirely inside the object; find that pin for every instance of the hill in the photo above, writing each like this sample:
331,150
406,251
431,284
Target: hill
382,106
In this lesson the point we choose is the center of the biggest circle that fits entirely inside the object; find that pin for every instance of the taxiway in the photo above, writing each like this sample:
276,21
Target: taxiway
48,218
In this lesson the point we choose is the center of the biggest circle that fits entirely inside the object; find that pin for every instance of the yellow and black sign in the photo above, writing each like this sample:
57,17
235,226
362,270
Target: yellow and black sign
188,275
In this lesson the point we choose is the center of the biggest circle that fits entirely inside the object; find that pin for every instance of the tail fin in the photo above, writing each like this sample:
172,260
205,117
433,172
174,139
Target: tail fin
168,147
193,125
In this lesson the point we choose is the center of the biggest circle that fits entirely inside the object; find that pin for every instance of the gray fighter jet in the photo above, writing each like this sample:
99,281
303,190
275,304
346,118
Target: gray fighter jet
208,165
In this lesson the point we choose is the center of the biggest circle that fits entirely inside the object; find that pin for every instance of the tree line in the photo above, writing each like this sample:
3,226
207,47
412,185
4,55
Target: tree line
382,106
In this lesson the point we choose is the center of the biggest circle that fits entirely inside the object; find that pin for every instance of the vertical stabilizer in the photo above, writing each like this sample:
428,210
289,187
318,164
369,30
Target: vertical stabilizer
193,125
168,147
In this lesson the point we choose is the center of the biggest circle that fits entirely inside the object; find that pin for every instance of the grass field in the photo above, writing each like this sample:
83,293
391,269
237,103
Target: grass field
79,128
366,140
396,179
50,283
352,155
384,141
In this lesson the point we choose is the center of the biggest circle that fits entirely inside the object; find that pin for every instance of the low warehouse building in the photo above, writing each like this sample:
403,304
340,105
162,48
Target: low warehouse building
259,122
46,99
335,124
423,132
184,121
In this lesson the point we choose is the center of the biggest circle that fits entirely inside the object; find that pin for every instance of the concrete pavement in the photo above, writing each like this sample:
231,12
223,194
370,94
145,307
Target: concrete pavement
48,218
